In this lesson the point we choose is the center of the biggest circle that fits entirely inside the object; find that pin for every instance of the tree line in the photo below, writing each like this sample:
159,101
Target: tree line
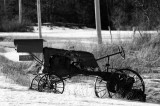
118,14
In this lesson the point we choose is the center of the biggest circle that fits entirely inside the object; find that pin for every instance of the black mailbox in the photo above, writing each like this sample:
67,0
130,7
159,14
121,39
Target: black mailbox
29,45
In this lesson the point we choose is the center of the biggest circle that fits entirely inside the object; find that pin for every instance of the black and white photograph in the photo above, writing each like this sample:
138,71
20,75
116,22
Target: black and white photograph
79,52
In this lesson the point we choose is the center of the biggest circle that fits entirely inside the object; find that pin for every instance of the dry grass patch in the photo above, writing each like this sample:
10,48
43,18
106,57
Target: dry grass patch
15,71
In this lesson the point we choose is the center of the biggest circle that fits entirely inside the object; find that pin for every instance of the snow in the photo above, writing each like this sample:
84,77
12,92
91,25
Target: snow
13,55
75,33
86,35
16,95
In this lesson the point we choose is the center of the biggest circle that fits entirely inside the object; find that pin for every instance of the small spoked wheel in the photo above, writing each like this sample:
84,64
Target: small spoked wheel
100,87
137,86
34,83
57,84
51,83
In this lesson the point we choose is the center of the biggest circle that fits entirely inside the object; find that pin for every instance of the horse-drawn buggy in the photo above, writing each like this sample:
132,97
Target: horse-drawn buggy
60,64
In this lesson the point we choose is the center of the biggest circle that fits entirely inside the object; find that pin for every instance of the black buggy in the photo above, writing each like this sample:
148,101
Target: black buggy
60,64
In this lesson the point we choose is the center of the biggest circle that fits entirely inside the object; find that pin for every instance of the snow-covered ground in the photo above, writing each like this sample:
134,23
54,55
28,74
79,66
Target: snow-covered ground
12,54
60,32
12,94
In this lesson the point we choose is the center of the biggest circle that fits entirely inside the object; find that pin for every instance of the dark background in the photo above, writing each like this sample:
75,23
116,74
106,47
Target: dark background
118,14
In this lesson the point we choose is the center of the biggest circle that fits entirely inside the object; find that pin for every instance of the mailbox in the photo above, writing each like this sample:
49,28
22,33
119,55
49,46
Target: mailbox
29,45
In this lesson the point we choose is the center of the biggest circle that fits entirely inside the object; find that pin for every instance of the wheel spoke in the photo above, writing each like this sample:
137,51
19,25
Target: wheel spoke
57,84
114,95
34,83
100,88
137,86
104,94
58,92
59,87
138,82
37,80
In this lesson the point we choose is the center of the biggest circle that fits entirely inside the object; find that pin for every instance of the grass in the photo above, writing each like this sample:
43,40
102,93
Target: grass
142,55
14,25
141,59
5,39
2,50
15,71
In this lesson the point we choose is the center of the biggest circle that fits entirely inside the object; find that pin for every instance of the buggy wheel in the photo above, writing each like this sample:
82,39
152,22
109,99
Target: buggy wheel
51,83
138,82
34,83
57,84
100,88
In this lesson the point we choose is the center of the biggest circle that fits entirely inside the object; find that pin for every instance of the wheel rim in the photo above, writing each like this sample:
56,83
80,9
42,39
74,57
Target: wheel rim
101,90
43,84
51,83
138,84
34,83
57,84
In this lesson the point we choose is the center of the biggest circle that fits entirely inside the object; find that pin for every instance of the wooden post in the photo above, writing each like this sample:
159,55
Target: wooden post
98,20
119,36
134,32
39,17
110,34
20,11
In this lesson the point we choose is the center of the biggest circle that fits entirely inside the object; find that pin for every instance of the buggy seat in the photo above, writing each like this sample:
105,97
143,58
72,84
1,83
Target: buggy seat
87,59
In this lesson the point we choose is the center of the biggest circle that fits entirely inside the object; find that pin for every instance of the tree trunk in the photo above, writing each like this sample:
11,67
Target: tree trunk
5,7
20,11
98,20
39,17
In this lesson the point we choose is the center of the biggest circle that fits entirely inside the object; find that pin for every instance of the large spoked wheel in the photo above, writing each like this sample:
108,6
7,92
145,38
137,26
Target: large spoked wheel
100,88
137,85
51,83
34,83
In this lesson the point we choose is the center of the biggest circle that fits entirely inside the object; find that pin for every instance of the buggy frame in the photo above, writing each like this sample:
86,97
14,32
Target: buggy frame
110,82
